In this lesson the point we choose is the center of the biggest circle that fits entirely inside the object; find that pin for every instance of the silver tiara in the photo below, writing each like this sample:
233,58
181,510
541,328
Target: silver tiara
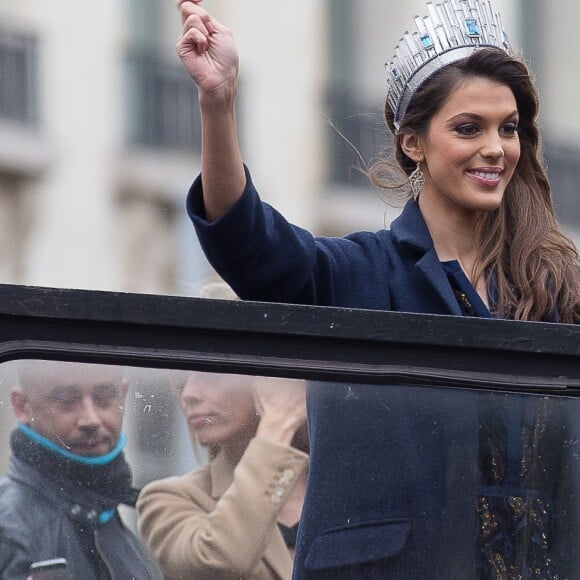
453,30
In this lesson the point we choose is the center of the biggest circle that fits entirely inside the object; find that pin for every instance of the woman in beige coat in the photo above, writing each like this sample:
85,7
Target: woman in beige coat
236,517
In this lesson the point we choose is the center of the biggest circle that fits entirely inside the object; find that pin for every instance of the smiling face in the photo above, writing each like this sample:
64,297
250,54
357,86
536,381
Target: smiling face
220,409
77,406
470,149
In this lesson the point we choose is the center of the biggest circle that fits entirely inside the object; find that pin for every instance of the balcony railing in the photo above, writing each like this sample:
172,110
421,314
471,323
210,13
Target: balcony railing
162,107
19,78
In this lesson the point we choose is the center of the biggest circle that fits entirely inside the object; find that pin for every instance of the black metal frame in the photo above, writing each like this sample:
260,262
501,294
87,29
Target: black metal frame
287,340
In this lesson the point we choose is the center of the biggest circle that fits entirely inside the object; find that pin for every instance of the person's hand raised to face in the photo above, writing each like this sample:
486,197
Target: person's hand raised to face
281,404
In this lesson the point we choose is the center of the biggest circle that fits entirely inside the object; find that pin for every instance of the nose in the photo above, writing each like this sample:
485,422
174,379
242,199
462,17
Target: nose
493,148
193,394
191,401
88,417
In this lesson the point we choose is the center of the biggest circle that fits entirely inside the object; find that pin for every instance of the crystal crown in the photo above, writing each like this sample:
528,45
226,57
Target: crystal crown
453,30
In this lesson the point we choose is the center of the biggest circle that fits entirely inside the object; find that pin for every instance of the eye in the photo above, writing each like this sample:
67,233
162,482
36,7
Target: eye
467,130
65,404
103,395
509,129
64,398
189,402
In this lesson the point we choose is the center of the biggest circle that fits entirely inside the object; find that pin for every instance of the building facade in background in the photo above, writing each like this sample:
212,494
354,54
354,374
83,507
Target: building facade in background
99,128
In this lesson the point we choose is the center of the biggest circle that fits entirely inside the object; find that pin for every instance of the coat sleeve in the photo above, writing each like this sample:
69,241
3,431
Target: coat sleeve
192,535
264,257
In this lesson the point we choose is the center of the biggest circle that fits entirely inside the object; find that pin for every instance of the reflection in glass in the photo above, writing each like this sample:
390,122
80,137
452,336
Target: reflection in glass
457,484
471,483
239,513
67,462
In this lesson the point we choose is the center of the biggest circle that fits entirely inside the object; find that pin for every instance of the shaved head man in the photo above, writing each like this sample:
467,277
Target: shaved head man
77,406
68,474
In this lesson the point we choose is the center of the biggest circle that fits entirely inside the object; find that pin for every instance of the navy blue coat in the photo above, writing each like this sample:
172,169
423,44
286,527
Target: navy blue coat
265,258
386,463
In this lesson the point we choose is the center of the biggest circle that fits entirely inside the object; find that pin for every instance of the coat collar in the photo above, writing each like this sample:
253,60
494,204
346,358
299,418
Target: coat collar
410,229
59,493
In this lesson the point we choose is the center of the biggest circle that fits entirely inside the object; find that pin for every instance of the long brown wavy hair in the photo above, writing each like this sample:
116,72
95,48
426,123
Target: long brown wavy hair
536,266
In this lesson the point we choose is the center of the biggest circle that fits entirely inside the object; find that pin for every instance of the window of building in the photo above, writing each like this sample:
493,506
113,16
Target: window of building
19,73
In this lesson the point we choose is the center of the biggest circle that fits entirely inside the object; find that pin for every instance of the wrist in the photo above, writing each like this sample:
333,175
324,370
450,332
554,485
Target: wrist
220,99
275,434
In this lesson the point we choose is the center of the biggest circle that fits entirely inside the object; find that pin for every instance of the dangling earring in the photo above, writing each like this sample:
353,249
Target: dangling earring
417,180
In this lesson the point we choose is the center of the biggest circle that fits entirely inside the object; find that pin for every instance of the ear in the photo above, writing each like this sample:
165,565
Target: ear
412,146
21,406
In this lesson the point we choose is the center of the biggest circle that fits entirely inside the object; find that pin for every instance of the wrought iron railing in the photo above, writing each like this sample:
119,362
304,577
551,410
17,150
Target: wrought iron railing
162,104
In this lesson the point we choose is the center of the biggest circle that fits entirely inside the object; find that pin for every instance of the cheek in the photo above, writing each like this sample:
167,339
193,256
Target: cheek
460,154
243,416
52,426
112,420
50,418
513,153
447,155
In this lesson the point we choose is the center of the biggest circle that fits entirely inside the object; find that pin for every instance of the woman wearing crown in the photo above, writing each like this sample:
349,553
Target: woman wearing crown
478,238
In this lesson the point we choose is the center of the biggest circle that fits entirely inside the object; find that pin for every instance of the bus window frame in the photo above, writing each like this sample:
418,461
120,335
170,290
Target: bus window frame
316,343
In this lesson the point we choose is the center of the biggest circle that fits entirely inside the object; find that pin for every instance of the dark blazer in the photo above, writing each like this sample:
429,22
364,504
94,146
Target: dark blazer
393,471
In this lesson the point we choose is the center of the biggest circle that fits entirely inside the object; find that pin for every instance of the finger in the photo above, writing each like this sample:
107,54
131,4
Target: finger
196,22
203,22
258,404
179,3
188,9
193,39
199,21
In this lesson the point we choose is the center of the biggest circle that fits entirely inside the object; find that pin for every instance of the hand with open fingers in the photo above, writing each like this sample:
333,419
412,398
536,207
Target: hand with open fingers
206,48
281,404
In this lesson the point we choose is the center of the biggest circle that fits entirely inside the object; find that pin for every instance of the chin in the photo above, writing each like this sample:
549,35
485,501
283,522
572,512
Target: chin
489,207
487,203
206,442
92,452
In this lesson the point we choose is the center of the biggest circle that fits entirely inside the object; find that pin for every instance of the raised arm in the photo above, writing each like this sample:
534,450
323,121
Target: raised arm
207,50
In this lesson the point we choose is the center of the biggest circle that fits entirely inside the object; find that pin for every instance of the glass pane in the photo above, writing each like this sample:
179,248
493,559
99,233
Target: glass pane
403,482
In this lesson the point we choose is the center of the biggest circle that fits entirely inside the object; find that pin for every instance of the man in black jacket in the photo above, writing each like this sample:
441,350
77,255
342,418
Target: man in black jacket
68,475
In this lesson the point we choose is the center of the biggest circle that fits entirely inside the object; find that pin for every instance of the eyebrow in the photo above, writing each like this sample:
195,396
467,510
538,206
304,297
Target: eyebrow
63,390
73,389
476,117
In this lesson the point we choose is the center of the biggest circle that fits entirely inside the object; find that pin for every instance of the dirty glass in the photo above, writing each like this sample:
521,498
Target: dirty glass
456,483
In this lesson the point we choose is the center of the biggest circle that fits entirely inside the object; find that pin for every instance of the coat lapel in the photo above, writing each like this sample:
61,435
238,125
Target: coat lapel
433,271
411,230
